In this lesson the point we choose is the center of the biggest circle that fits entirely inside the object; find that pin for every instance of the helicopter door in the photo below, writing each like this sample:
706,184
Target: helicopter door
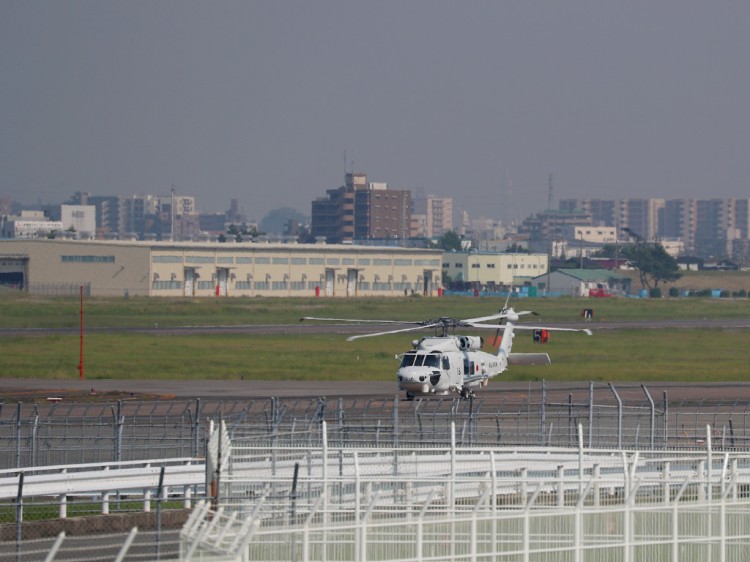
189,274
330,279
351,282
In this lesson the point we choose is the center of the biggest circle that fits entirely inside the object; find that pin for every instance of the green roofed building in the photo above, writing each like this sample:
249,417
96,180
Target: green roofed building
582,283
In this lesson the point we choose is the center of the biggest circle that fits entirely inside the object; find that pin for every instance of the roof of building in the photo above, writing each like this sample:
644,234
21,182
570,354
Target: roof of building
590,274
229,246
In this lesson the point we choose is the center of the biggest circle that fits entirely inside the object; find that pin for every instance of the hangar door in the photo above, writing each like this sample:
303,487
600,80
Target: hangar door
13,271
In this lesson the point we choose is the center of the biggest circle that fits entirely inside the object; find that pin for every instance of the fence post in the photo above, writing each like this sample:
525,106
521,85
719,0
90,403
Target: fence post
361,549
34,436
63,506
571,422
19,516
55,547
666,419
18,435
653,416
710,461
543,413
619,415
119,422
196,428
126,546
395,421
591,411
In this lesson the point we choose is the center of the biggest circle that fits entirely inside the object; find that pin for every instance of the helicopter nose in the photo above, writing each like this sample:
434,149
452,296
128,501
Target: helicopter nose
418,379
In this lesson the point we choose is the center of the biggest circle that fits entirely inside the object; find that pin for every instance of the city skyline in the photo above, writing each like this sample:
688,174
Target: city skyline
271,103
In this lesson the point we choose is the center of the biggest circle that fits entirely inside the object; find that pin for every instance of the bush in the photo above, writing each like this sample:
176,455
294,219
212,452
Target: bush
655,293
674,292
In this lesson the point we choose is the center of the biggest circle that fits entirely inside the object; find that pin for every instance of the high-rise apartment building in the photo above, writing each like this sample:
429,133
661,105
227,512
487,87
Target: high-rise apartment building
139,213
358,210
603,211
641,216
437,212
108,211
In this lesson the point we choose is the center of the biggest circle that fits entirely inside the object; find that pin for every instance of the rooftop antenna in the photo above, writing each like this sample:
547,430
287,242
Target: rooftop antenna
549,194
509,197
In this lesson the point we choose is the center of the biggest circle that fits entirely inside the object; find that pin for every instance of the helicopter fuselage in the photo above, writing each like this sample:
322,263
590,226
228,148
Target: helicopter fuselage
441,365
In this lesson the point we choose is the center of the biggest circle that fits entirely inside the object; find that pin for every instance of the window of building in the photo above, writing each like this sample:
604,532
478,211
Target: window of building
88,259
163,285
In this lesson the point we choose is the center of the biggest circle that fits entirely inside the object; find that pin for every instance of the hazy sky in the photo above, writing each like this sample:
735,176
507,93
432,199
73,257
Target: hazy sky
261,100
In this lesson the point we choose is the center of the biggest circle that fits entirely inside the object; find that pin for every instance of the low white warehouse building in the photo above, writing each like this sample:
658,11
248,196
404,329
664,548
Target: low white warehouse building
174,269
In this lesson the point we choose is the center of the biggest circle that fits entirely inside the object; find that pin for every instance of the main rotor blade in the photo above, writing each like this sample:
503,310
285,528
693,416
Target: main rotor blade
499,315
525,327
358,320
412,329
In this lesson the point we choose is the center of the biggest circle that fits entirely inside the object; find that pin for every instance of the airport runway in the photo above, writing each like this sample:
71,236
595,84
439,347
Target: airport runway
239,389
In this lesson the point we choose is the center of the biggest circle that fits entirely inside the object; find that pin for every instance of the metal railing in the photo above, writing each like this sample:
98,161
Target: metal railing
469,503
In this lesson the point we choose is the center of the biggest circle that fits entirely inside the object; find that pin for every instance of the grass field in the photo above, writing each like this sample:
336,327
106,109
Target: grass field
610,355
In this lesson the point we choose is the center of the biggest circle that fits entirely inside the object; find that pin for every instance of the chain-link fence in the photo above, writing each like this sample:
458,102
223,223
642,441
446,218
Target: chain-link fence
617,417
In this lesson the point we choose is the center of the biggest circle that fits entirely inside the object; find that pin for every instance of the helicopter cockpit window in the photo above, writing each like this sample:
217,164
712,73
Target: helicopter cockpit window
446,363
408,359
432,360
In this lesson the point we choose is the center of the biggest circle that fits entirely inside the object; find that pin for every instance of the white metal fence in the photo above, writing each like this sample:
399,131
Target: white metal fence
332,502
454,503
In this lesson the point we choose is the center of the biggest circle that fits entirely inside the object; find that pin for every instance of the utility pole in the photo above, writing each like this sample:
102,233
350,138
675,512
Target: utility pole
171,212
550,233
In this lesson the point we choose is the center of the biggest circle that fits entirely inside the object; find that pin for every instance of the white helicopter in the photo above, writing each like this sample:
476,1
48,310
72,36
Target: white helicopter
448,363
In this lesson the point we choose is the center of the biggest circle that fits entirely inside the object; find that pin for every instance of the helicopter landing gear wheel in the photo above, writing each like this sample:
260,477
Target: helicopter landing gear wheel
410,396
465,393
